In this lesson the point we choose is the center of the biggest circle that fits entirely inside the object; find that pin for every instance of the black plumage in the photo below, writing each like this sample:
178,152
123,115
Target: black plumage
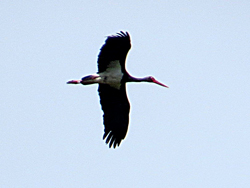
115,104
116,47
116,107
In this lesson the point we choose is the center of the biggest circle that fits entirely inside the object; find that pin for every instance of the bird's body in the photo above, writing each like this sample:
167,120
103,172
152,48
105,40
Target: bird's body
112,78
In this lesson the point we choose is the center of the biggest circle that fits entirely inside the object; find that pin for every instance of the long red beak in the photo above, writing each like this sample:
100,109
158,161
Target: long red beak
74,82
159,83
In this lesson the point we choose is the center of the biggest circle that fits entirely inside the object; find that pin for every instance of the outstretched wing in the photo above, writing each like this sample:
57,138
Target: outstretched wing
116,47
115,106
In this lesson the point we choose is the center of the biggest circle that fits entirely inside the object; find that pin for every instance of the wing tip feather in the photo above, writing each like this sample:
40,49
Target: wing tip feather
120,34
111,140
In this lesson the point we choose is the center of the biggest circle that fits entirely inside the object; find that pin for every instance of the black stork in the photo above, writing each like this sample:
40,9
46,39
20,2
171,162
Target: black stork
112,78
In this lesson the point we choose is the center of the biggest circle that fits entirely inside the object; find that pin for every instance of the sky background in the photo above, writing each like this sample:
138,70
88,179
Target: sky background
194,134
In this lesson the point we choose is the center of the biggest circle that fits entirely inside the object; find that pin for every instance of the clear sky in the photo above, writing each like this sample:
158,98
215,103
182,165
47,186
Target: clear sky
194,134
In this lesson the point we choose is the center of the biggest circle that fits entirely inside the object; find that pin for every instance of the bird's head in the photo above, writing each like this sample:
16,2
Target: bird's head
152,79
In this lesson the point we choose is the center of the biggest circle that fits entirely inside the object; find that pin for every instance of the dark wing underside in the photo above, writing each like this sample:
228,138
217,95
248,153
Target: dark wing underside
116,47
116,107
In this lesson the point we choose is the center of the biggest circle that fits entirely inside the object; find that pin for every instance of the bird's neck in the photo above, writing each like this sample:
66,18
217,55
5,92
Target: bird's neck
133,79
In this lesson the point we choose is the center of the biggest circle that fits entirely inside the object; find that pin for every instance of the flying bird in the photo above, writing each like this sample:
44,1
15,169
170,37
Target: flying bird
112,78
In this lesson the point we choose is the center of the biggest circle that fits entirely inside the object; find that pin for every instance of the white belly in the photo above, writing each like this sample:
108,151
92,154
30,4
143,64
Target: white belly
112,75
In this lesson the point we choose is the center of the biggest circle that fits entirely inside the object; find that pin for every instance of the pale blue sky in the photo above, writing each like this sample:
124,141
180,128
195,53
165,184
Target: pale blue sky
194,134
